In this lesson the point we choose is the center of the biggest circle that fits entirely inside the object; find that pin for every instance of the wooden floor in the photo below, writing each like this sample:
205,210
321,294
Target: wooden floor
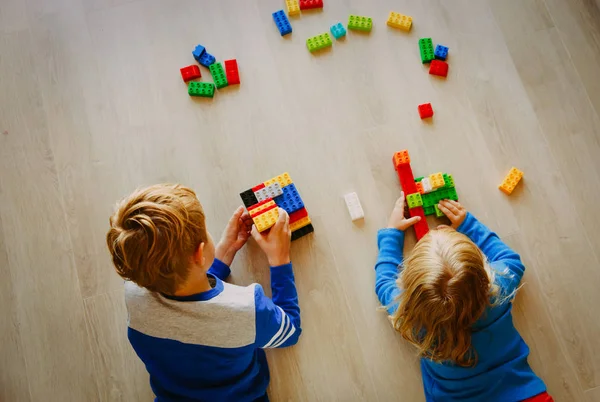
92,106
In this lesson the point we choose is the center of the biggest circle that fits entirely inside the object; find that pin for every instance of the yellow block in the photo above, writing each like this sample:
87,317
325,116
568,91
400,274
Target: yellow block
400,21
437,180
284,179
293,7
266,220
511,180
256,210
300,223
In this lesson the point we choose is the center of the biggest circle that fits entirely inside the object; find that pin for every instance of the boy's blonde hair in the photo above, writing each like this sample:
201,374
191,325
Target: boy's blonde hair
153,233
446,286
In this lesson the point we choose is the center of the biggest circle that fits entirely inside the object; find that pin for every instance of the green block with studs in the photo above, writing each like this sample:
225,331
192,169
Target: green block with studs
203,89
414,200
428,200
448,180
418,179
360,23
426,48
318,42
218,74
429,210
438,212
452,194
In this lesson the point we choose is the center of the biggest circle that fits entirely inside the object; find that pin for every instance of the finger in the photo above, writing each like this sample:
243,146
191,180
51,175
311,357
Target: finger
282,219
446,211
256,234
456,204
451,207
236,215
411,221
400,200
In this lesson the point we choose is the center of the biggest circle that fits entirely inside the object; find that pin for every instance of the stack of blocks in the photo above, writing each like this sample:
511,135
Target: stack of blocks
433,189
264,199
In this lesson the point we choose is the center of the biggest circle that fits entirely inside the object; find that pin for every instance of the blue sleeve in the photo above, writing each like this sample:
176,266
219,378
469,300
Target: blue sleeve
500,256
391,244
219,269
278,320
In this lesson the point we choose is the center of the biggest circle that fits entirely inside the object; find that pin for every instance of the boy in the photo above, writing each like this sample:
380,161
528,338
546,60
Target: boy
200,338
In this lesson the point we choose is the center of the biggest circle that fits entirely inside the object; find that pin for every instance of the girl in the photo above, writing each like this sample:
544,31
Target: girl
452,300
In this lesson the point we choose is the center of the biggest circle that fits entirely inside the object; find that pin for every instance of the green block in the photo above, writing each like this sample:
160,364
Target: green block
429,210
414,200
428,200
418,179
448,180
452,194
426,48
218,74
318,42
362,24
204,89
438,212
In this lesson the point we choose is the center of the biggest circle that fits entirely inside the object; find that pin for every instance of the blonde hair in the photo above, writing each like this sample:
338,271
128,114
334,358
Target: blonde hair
153,233
446,286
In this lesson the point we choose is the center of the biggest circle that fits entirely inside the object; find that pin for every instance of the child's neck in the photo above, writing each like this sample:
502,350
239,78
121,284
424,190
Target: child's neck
197,283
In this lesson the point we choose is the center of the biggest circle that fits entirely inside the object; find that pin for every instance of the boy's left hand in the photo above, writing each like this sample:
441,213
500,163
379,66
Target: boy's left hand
235,236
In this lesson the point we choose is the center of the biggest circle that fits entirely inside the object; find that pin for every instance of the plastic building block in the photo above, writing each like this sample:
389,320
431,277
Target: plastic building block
438,211
441,52
449,180
426,49
308,4
206,59
318,42
418,179
198,52
338,30
360,23
299,214
354,207
267,219
439,68
232,72
406,177
300,223
261,207
248,198
203,89
284,179
282,22
437,180
293,8
414,200
425,110
452,194
290,200
274,190
511,180
258,187
190,72
428,210
302,232
419,187
427,187
218,74
262,194
400,21
401,158
421,227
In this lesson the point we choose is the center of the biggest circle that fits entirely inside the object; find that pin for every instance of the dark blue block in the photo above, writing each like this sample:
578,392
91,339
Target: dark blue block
282,22
441,52
290,199
206,59
198,52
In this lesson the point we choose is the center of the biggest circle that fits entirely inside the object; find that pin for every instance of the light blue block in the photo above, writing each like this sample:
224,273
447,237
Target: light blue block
338,30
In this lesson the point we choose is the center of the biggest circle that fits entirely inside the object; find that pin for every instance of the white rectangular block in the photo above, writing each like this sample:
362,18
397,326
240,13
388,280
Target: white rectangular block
274,190
261,194
354,207
426,183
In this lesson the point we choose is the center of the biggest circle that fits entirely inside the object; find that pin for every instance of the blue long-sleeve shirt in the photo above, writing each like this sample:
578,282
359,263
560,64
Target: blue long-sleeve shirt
209,346
502,372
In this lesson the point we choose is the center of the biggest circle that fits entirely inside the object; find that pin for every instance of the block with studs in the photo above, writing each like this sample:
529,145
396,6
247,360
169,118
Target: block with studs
436,180
319,42
360,23
511,180
400,21
267,219
414,200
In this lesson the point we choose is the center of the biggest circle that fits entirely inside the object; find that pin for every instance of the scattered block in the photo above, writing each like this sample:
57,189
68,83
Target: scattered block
308,4
439,68
414,200
438,211
400,21
354,207
248,198
293,8
290,200
283,179
425,111
511,180
218,74
441,52
401,158
426,49
300,223
282,22
437,180
202,89
206,59
302,232
231,71
267,219
338,30
190,72
318,42
360,23
198,52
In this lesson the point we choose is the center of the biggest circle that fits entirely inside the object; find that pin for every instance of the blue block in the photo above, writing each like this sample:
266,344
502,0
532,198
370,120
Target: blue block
338,30
282,22
441,52
206,59
198,52
290,200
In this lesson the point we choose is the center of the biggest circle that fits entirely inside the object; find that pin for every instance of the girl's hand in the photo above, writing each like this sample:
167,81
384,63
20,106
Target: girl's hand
397,219
454,211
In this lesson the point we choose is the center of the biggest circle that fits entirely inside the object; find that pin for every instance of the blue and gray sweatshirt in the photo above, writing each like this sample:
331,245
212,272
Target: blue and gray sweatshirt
209,346
502,372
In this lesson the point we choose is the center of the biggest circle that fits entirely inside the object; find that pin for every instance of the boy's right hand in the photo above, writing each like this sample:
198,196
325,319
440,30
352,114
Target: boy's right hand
397,219
454,211
276,243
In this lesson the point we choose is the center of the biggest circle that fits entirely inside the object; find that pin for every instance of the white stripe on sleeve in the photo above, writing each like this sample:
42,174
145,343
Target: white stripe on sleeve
278,344
283,320
288,322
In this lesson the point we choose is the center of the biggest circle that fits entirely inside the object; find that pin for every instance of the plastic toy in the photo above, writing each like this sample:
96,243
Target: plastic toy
441,52
438,67
318,42
338,30
206,59
267,219
308,4
426,49
302,232
300,223
400,21
414,200
354,207
190,72
198,52
293,7
511,180
284,179
202,89
282,22
232,72
360,23
218,74
425,111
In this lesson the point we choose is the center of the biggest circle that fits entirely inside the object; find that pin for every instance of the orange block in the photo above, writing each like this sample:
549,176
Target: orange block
420,187
401,158
510,181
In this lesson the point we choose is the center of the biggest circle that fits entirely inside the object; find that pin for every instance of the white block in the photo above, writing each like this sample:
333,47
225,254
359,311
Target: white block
261,194
426,183
274,190
354,207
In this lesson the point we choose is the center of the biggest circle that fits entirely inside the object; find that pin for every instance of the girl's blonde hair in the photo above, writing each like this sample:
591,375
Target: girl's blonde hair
446,286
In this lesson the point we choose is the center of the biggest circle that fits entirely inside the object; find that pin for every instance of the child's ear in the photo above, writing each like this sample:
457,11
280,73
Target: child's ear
198,256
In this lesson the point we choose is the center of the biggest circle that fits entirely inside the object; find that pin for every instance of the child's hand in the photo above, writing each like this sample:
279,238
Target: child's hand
276,243
235,236
397,219
454,211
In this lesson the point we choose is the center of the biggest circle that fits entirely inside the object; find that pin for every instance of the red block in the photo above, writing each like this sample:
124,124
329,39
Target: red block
256,188
308,4
407,179
232,72
251,208
190,73
425,110
297,215
438,67
421,227
264,210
